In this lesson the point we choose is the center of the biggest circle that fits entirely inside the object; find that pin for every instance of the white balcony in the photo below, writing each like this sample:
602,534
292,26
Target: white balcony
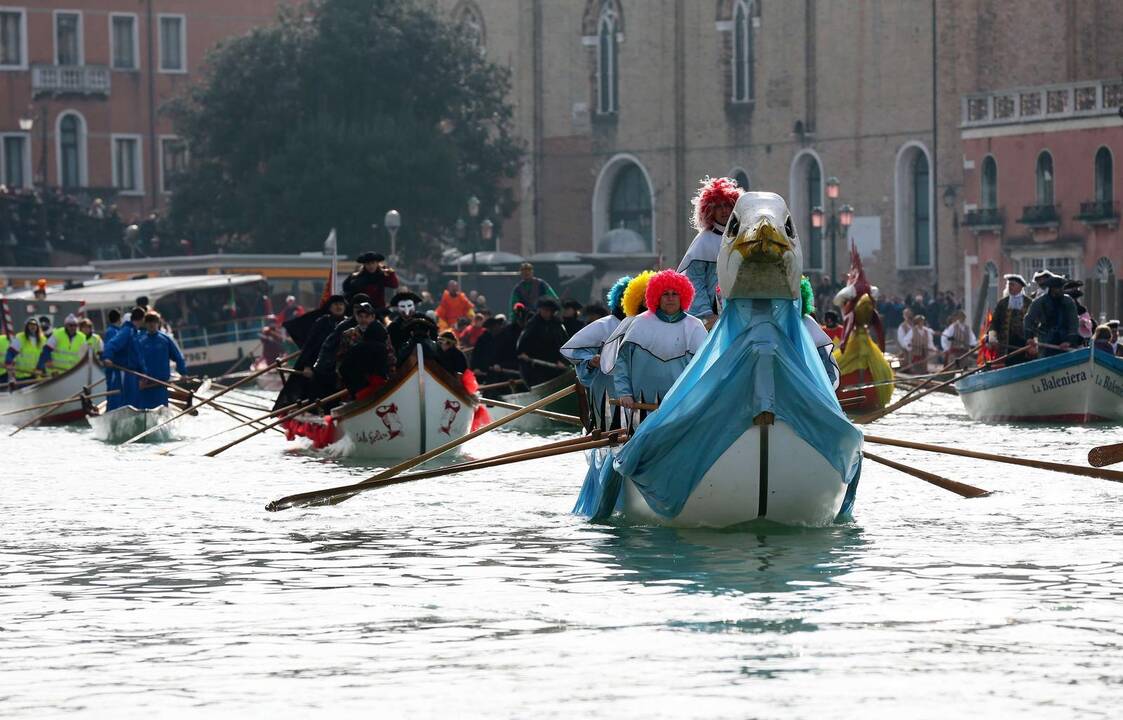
1041,103
70,80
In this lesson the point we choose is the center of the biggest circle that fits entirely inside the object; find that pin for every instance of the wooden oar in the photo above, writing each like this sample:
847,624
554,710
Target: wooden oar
877,414
212,398
257,420
506,383
338,495
57,403
962,489
947,366
560,417
1112,475
275,423
1105,455
51,406
636,406
154,381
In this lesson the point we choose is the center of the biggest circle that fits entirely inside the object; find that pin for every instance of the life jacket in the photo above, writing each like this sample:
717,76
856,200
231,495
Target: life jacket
28,356
68,351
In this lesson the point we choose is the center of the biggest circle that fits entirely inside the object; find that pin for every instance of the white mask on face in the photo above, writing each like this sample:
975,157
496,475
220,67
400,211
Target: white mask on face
405,307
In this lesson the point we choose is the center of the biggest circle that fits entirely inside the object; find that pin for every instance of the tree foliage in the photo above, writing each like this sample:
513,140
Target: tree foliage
332,116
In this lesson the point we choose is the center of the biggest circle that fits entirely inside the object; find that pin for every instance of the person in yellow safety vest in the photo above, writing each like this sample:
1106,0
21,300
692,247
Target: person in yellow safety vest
93,340
23,352
65,348
3,351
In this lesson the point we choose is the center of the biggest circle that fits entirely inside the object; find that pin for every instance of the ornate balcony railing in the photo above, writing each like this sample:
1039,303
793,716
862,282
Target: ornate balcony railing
1099,211
1041,215
1045,102
985,218
70,80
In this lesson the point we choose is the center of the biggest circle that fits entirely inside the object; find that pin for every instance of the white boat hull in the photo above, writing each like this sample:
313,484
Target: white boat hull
421,408
1074,387
60,387
123,423
799,486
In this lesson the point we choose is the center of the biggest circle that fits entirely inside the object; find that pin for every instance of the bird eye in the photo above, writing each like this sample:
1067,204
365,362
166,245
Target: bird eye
788,227
734,226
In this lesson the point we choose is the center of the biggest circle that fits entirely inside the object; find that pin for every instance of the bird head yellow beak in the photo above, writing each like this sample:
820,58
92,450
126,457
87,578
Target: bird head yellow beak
762,241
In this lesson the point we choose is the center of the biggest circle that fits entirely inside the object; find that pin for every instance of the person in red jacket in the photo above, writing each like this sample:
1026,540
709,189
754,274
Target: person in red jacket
372,279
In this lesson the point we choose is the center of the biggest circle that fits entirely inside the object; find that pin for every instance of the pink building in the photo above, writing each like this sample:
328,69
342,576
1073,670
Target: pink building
82,82
1040,179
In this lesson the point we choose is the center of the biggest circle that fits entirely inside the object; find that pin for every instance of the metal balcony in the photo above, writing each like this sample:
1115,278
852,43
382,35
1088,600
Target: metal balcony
1099,212
1041,215
985,219
70,80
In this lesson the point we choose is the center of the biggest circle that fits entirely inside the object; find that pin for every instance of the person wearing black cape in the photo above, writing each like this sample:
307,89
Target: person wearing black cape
404,305
540,344
421,332
363,356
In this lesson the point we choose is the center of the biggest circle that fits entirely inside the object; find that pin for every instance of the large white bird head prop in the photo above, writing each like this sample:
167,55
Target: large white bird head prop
760,255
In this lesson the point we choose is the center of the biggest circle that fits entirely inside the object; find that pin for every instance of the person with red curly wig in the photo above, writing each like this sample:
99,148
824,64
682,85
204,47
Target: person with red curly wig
712,207
659,343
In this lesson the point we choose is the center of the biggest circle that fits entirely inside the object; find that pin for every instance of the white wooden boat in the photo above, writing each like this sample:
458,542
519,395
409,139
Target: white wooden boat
421,407
782,479
1079,386
59,387
118,425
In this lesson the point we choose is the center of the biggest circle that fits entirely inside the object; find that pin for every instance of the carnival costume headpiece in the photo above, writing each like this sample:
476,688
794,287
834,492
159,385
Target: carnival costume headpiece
665,280
712,193
615,293
634,294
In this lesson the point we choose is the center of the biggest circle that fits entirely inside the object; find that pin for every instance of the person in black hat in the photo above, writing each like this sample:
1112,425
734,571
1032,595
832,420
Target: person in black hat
539,346
448,355
363,357
1051,318
404,305
1006,332
569,317
420,332
323,369
1116,347
486,353
1083,317
372,279
336,307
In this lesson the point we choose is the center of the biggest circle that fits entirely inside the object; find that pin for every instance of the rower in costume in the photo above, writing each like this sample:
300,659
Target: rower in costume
632,303
712,206
157,351
1052,318
824,343
1006,332
405,305
660,342
584,351
757,367
860,354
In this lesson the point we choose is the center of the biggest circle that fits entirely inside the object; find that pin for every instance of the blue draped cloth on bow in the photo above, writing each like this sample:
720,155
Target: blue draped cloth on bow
758,358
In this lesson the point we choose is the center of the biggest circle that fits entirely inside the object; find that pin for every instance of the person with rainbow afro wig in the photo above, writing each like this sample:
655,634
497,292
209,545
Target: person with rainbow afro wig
583,349
659,343
712,207
631,304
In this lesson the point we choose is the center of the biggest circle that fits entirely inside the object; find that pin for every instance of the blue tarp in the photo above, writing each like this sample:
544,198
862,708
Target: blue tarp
758,358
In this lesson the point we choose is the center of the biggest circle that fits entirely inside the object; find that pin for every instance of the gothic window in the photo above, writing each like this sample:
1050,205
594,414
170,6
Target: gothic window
470,20
607,74
742,51
630,203
988,197
1044,178
1105,191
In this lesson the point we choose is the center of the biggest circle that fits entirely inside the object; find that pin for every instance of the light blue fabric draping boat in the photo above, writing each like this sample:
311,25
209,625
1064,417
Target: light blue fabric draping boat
600,492
758,358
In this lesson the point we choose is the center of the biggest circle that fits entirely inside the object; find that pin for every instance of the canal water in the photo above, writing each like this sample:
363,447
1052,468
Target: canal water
141,585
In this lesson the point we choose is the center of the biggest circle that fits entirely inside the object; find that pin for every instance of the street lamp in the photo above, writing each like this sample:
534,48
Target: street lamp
487,228
393,221
473,206
836,220
26,122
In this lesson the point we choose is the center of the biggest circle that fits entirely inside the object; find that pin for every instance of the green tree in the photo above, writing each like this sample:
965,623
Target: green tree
332,116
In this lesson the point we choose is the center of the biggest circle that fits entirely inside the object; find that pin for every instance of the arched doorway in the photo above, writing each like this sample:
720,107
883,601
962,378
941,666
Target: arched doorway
623,208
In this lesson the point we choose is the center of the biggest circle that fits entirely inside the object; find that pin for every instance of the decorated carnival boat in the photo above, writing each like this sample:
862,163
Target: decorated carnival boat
752,429
420,407
120,424
865,375
1078,386
38,396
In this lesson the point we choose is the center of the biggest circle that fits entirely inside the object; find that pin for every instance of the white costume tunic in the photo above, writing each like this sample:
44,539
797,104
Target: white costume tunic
825,347
586,344
654,353
699,264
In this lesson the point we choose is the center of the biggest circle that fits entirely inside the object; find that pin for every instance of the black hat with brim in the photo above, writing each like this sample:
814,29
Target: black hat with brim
420,321
1049,281
548,302
571,305
1016,278
335,299
370,257
364,309
405,296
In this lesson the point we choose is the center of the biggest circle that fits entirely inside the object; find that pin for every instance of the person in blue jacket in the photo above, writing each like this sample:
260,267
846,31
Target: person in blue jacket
122,351
157,351
112,375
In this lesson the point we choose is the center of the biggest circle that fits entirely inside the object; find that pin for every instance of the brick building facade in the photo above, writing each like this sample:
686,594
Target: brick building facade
91,76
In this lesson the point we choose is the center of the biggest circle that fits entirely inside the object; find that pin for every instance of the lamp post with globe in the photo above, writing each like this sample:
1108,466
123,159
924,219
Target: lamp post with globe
838,221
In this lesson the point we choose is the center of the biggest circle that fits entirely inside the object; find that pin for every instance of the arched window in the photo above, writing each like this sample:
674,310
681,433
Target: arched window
607,75
805,190
921,212
1104,298
742,51
741,178
1105,185
913,206
470,20
629,207
71,150
988,196
1044,178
